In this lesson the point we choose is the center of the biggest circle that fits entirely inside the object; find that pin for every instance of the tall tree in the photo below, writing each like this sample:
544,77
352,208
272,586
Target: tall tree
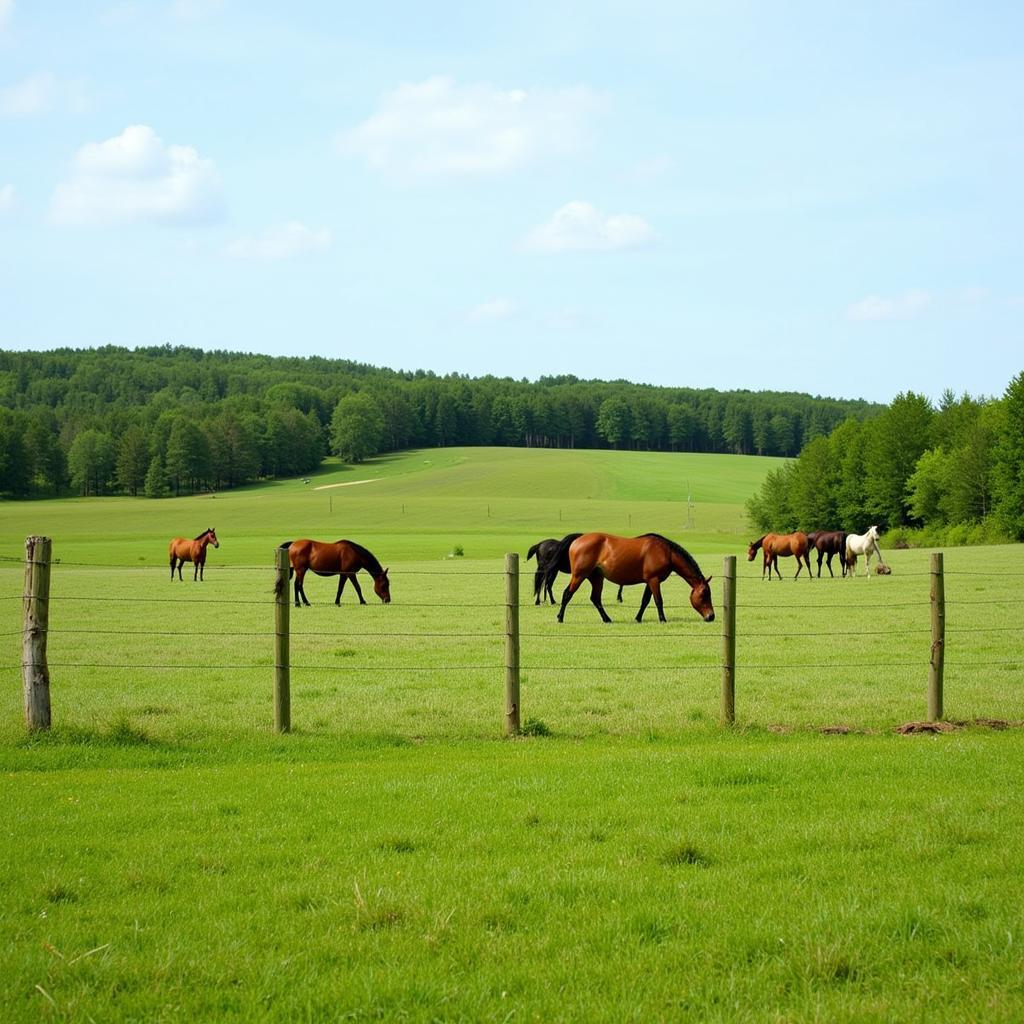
357,428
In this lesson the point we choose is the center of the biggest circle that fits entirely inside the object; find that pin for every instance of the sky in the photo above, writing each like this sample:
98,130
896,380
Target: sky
819,196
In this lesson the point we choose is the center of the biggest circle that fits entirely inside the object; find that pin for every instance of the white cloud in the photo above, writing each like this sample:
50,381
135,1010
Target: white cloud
900,307
496,309
581,227
6,198
134,177
281,242
6,13
438,128
33,95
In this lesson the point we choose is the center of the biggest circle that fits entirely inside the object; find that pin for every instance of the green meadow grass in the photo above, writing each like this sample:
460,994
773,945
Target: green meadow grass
165,856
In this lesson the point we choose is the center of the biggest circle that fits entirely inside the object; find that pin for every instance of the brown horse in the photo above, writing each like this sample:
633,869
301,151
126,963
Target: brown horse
648,559
343,558
774,544
182,550
829,543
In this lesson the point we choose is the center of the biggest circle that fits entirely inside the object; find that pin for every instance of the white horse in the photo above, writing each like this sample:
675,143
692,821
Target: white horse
862,544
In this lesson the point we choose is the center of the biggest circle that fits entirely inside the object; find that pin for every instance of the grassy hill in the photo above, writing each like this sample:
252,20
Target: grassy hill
419,504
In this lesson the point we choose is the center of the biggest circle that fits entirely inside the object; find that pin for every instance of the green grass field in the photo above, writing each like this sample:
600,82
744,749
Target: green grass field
167,857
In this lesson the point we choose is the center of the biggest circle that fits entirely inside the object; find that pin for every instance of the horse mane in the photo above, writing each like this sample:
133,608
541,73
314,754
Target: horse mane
373,567
204,533
679,550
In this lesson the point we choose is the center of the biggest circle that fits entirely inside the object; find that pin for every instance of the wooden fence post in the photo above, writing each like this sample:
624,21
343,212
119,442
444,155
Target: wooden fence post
35,674
282,661
938,654
512,644
729,640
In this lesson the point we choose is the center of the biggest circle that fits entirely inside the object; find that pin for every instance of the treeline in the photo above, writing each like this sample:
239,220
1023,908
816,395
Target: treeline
952,474
172,420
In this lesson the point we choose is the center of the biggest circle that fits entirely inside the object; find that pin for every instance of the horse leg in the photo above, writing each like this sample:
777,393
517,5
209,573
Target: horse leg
644,602
596,586
618,597
548,591
655,587
538,582
820,553
341,587
359,593
775,566
574,585
173,560
300,590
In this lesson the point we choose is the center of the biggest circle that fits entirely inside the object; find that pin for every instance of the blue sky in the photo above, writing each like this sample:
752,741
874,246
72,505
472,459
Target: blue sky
821,197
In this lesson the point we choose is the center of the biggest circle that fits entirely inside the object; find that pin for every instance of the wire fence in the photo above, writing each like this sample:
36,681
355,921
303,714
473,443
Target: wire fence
543,650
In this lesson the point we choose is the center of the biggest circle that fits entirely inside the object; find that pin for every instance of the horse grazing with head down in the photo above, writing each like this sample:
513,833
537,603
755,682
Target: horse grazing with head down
772,545
342,558
829,543
182,550
648,559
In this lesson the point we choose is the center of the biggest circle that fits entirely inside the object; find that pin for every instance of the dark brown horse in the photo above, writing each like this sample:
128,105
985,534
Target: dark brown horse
182,550
648,559
774,544
343,558
829,543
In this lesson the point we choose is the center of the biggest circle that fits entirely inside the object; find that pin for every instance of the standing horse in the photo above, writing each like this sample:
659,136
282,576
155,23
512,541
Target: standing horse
648,559
862,544
774,544
182,550
829,543
343,558
544,550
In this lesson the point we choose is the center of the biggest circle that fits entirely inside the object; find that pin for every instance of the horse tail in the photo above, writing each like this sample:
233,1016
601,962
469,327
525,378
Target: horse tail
533,550
559,561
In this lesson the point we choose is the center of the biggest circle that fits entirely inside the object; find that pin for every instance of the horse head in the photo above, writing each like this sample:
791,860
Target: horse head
381,587
752,549
700,598
212,534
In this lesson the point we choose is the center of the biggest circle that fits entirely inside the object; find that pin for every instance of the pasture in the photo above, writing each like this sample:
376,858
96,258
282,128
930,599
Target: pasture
168,857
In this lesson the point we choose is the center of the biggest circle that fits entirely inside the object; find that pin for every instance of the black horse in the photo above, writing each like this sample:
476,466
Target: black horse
829,543
544,550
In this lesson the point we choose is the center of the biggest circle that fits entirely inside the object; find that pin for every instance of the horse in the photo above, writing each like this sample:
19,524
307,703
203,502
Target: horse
648,559
182,550
550,564
862,544
544,550
829,543
774,544
343,558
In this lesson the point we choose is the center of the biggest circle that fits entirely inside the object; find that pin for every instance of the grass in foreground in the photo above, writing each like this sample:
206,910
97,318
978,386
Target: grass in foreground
717,877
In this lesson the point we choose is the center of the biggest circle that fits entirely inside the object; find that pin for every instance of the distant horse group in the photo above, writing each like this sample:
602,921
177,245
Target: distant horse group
827,543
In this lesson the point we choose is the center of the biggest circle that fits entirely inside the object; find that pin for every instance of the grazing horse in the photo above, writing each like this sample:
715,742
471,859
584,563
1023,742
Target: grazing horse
343,558
829,543
774,544
862,544
648,559
182,550
544,550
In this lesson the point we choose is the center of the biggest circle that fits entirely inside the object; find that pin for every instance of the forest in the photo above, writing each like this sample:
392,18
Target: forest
947,475
171,420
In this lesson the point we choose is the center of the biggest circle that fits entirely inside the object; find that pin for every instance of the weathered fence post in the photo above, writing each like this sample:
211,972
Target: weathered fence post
729,640
35,674
512,644
282,662
938,655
